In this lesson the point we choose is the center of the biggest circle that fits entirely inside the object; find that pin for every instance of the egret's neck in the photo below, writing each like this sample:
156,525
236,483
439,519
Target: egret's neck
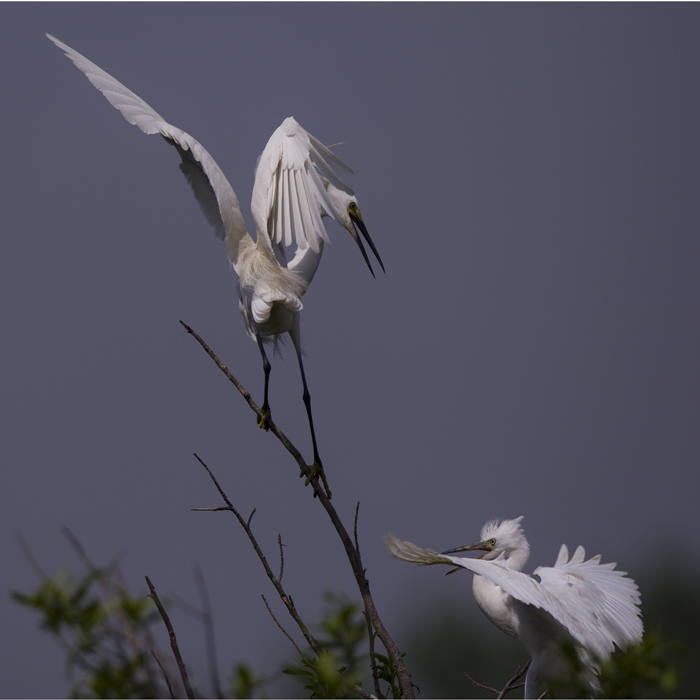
496,604
517,559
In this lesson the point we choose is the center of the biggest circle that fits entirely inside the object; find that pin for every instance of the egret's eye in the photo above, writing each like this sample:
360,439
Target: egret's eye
492,541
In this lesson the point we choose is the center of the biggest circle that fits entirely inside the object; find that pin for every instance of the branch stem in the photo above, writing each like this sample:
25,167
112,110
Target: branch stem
350,549
173,639
275,581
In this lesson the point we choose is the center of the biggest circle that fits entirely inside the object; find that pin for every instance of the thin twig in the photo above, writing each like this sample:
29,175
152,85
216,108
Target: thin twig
127,631
250,517
173,639
370,630
481,685
279,542
209,637
33,561
103,577
165,675
275,582
80,660
286,634
350,549
372,659
207,510
510,685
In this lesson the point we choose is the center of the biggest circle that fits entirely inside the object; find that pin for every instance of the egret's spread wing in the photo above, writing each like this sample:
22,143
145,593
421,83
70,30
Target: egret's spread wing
610,598
570,593
515,583
212,190
289,196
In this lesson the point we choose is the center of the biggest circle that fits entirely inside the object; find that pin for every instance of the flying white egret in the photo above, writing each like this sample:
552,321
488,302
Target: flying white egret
295,187
582,604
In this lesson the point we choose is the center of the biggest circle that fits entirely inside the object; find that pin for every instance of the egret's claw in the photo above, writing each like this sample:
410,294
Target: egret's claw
316,469
266,418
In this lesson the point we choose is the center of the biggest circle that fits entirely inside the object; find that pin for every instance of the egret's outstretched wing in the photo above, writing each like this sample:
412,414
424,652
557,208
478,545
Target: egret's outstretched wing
289,195
595,604
613,590
212,190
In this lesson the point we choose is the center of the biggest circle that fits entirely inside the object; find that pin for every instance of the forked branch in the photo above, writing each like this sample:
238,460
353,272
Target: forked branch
350,548
275,581
510,685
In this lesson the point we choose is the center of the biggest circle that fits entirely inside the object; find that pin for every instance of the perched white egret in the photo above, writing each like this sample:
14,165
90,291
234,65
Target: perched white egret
577,604
295,187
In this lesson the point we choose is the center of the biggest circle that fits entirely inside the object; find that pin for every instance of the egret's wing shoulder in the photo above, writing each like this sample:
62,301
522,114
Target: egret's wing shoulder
288,195
210,186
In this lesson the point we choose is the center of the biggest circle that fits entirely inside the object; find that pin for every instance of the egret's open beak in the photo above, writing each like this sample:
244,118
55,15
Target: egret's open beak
485,546
357,221
467,548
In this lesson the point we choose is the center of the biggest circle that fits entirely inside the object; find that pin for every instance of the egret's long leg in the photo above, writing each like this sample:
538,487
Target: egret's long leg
263,422
307,403
317,466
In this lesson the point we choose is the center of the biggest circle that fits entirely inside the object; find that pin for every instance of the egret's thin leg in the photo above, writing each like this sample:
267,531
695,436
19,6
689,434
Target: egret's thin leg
317,466
263,422
307,403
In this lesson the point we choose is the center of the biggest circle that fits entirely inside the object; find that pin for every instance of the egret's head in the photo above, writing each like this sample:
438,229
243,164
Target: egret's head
500,537
347,213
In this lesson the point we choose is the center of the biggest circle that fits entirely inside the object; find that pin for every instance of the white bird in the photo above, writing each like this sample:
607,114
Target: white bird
578,604
295,186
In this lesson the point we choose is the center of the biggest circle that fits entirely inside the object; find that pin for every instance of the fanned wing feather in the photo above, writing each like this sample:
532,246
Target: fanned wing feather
614,592
597,605
211,189
288,193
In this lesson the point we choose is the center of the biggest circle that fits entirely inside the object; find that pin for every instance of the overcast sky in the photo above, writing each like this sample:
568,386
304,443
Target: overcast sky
530,175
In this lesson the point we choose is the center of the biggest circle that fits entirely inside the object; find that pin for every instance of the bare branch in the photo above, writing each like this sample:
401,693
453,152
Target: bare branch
165,675
112,589
372,660
510,685
173,639
481,685
313,480
250,517
33,561
357,544
62,641
364,693
209,637
350,549
211,510
279,542
282,628
126,630
275,582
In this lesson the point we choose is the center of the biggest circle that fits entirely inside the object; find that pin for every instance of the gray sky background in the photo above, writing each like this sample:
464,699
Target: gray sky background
530,175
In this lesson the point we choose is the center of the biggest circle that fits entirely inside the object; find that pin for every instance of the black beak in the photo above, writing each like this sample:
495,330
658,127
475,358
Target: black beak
469,548
360,224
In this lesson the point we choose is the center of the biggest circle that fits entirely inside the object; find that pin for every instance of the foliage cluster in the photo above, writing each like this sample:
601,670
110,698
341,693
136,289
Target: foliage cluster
111,651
